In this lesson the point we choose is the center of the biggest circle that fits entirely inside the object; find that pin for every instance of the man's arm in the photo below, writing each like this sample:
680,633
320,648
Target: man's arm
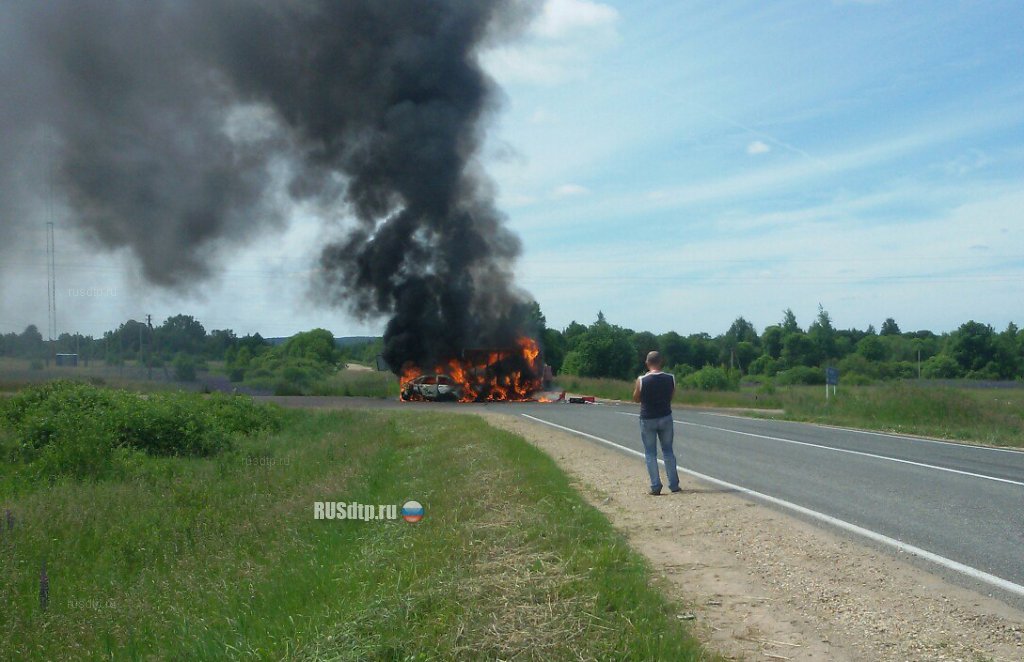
636,389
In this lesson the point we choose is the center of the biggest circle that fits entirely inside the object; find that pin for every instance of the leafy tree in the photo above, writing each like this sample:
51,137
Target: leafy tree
746,352
771,340
316,345
973,347
704,350
180,333
763,365
941,366
675,349
872,348
890,327
789,324
219,341
603,350
30,342
799,350
554,348
741,331
643,342
184,368
823,335
573,333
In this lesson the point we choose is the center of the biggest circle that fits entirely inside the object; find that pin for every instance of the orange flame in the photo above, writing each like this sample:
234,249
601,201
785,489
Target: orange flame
481,375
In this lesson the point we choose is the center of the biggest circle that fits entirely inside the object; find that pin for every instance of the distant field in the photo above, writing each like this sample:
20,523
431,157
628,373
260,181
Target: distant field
220,557
963,412
17,373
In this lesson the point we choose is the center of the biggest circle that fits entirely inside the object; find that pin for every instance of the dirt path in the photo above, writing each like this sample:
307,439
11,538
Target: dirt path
762,585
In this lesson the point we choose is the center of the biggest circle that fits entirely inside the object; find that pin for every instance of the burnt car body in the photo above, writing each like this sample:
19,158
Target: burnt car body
432,387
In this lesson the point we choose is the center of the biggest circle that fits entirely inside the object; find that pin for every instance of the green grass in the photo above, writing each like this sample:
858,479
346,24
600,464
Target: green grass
365,383
220,557
16,374
618,389
975,415
986,416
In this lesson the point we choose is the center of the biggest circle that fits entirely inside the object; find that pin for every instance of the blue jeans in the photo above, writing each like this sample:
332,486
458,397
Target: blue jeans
651,430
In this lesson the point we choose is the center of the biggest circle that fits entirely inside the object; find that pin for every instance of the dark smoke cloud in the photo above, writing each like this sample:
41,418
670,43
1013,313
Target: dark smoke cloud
174,126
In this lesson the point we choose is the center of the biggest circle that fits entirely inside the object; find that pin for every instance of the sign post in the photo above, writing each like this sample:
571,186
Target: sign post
831,379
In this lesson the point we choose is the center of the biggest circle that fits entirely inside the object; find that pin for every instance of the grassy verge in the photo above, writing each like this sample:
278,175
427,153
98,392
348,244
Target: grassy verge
617,389
995,418
365,383
987,416
220,556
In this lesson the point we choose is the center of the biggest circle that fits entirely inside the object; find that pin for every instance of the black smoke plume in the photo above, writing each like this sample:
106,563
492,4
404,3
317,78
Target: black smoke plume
176,128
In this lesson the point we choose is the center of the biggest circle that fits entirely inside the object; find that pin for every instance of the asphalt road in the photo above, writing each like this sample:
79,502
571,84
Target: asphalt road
957,510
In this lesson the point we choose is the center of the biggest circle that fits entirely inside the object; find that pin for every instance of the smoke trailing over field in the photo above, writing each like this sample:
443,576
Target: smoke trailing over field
175,128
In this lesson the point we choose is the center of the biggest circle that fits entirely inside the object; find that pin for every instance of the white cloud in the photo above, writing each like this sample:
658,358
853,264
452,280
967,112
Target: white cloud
558,45
570,190
758,147
561,18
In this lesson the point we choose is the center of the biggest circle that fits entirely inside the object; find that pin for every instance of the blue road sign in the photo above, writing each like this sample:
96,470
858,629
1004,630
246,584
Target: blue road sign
832,376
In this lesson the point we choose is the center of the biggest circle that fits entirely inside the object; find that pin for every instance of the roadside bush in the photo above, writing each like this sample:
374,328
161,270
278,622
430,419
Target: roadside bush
801,375
763,365
682,371
941,366
713,378
184,368
70,428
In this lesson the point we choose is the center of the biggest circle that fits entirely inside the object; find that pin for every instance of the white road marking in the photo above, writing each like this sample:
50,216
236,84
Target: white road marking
888,435
846,450
950,564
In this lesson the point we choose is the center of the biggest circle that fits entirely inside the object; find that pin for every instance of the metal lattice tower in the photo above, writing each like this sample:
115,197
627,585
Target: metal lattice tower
51,291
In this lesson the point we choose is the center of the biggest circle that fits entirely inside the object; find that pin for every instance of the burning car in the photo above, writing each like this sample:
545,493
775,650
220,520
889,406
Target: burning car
478,375
432,387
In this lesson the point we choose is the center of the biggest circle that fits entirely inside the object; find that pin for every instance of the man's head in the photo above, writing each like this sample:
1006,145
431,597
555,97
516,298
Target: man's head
653,360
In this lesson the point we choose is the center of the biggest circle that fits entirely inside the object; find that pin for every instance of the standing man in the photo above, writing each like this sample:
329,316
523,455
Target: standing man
654,392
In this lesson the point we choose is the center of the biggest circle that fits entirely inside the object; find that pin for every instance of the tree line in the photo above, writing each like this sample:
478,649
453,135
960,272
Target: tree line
788,353
784,352
134,341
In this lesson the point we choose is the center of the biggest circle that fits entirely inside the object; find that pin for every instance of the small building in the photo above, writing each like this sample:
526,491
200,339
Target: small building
67,360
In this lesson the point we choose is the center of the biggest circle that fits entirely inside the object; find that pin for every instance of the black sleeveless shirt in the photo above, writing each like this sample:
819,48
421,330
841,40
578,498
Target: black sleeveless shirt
656,394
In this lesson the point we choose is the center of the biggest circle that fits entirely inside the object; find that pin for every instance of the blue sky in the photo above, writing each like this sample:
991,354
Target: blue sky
677,165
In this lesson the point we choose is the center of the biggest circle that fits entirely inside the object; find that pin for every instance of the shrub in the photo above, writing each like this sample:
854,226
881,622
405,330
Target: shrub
184,368
941,366
763,365
69,428
682,371
801,375
712,378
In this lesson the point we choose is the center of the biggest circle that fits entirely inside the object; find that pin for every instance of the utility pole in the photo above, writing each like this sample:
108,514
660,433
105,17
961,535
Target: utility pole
51,290
149,366
140,344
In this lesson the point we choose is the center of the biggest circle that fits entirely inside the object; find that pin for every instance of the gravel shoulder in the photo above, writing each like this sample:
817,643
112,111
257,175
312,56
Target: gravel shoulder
763,585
